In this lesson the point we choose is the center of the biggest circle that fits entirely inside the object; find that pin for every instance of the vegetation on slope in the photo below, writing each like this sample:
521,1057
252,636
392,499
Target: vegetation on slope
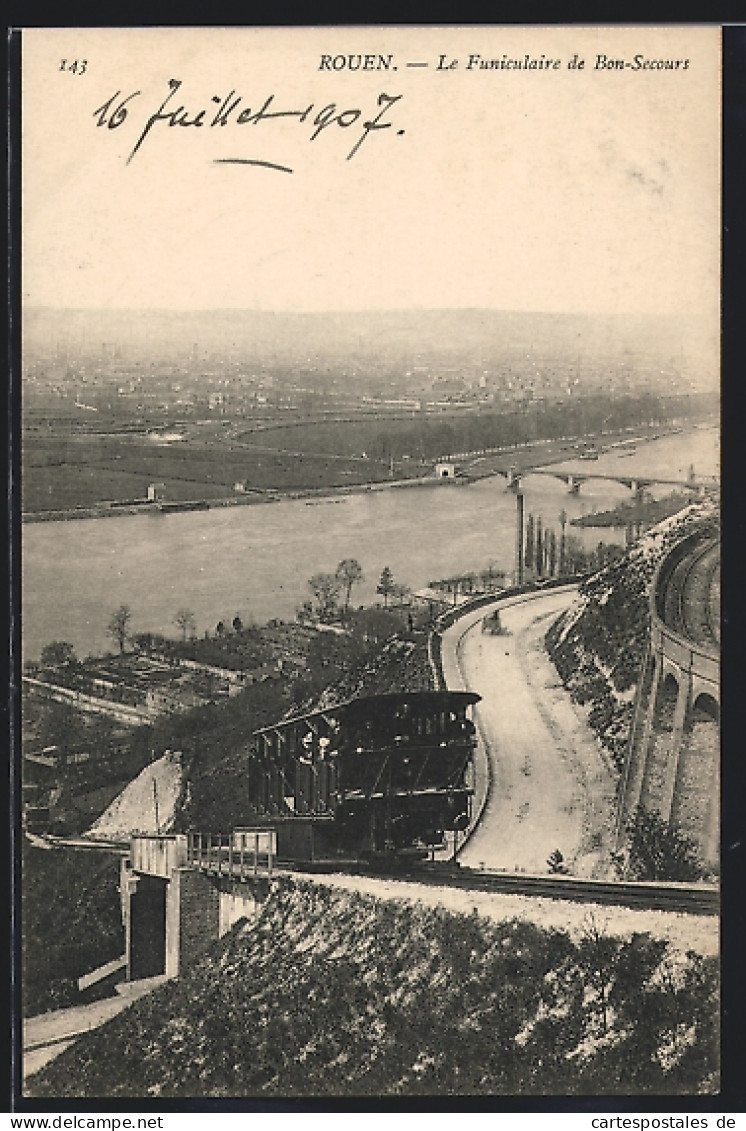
598,645
336,993
71,923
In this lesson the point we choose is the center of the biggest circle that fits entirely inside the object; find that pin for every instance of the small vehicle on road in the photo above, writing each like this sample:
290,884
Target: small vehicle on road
492,625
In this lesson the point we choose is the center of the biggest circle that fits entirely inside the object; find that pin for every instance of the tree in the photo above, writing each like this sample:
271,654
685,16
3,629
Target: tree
349,573
237,624
539,552
552,553
386,585
325,588
184,620
660,851
57,653
118,626
528,557
562,551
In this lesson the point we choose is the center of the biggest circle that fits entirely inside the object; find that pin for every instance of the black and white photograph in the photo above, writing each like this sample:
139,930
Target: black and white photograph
370,560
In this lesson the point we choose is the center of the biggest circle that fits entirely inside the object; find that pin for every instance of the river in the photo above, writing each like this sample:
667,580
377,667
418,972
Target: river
255,560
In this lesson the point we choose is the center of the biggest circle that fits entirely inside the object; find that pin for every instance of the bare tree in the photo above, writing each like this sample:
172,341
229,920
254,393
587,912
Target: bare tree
349,573
118,626
325,588
185,622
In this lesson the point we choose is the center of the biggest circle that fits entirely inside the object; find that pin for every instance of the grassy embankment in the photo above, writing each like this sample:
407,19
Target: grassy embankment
333,993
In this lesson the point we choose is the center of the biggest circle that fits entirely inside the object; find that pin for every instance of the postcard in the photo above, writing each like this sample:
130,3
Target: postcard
371,561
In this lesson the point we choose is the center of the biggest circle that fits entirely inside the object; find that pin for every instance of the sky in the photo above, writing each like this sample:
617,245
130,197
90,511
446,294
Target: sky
579,190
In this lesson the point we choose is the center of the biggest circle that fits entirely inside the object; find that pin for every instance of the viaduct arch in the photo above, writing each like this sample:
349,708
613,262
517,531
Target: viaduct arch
673,756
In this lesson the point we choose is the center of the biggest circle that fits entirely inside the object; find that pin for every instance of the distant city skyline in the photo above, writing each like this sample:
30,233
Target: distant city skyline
568,192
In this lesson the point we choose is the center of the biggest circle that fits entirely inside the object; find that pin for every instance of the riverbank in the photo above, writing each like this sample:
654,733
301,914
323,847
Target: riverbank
473,466
253,498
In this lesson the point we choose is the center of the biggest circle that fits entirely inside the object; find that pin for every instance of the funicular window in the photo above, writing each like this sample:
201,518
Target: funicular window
274,789
402,771
324,767
333,779
402,724
322,785
363,735
285,755
261,792
363,771
304,791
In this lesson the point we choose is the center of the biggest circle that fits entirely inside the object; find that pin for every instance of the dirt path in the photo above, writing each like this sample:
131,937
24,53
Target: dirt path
551,785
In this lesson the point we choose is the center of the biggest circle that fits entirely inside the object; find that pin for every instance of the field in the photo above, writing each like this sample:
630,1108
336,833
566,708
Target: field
65,467
62,473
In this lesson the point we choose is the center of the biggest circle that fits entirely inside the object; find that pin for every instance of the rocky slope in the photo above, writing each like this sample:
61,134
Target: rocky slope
598,645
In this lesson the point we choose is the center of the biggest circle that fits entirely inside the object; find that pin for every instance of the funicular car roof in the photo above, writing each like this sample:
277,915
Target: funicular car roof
362,706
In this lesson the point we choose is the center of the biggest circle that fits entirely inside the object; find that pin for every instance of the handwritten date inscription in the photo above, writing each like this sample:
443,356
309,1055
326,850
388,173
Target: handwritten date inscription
230,110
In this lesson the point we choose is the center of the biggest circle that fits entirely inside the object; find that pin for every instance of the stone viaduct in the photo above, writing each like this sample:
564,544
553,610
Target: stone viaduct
673,756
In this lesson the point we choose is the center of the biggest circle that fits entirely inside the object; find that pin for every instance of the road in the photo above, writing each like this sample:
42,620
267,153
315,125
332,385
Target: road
48,1034
550,786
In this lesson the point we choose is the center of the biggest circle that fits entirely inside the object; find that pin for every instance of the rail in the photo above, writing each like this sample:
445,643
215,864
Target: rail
640,895
692,899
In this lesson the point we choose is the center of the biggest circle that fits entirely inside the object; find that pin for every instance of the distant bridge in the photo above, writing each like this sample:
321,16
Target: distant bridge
636,483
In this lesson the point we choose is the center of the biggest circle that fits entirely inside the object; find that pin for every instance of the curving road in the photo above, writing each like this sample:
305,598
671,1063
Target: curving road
550,786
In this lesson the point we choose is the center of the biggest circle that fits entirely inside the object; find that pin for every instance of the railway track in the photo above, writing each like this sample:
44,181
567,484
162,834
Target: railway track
691,899
691,596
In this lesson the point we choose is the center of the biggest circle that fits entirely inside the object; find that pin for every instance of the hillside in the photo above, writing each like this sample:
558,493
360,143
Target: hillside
598,645
336,993
401,665
72,923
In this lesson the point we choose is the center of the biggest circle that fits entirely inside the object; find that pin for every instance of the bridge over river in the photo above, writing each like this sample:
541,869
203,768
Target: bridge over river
636,483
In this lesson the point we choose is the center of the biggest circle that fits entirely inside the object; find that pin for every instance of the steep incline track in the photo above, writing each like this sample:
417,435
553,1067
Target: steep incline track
691,602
